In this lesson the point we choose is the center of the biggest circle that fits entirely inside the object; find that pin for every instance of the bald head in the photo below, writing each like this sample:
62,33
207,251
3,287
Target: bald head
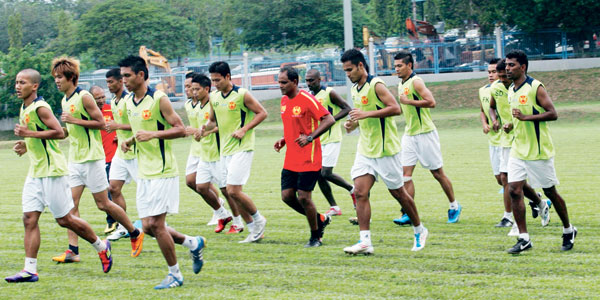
98,94
33,75
313,80
313,73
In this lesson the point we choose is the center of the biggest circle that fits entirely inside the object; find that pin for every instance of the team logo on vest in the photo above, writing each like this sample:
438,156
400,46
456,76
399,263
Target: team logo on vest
282,108
146,114
120,112
406,90
27,119
320,100
231,105
522,99
206,115
72,108
296,110
364,100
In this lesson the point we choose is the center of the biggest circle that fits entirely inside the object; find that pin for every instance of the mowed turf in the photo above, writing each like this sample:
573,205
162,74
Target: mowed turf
467,260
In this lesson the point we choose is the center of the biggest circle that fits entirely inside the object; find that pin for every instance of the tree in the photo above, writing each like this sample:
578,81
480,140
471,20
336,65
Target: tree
228,30
114,29
65,41
391,16
15,31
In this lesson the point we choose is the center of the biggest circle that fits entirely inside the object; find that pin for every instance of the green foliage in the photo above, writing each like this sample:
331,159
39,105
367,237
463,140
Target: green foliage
64,43
391,16
17,60
15,31
114,29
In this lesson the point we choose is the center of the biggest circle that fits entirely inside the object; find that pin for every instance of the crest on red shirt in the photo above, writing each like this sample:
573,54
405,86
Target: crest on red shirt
364,100
107,118
297,110
522,99
146,114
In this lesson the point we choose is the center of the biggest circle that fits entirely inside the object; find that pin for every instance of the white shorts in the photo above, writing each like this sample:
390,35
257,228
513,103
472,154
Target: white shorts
211,172
538,173
330,153
53,192
504,158
495,152
123,169
236,167
157,196
424,148
92,174
191,165
388,167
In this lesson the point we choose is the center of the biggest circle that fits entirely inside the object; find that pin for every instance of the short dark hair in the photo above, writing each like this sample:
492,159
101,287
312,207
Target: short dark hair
291,72
354,56
115,73
136,63
406,57
520,56
220,67
501,65
202,80
494,61
190,75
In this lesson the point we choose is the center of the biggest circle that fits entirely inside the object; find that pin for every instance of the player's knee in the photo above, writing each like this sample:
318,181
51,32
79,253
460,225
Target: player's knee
114,190
64,221
29,221
361,194
191,183
202,189
233,192
514,191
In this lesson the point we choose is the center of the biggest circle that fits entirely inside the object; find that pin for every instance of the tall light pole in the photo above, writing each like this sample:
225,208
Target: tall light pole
284,41
348,41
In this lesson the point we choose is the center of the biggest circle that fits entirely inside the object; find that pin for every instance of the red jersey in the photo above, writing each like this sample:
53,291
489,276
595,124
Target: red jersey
301,115
109,140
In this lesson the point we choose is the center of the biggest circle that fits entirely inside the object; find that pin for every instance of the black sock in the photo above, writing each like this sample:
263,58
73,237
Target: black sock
75,249
314,234
135,233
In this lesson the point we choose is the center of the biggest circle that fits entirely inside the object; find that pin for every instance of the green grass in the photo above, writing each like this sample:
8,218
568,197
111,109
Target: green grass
461,261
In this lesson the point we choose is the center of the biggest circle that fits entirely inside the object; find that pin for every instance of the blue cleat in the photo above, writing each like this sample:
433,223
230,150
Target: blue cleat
23,276
403,220
170,282
196,255
454,214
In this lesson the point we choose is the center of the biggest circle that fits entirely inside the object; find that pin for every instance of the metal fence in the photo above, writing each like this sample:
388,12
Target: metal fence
171,84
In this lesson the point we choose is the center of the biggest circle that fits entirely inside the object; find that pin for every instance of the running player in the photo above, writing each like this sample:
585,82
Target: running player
47,182
331,140
378,153
153,124
109,143
237,112
204,161
86,156
420,141
499,113
495,150
532,152
304,120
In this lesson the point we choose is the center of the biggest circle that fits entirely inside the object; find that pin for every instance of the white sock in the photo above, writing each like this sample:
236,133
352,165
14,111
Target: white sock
336,207
190,242
256,216
175,271
237,221
524,236
508,215
221,212
454,205
418,229
365,236
30,265
250,226
99,245
352,190
568,230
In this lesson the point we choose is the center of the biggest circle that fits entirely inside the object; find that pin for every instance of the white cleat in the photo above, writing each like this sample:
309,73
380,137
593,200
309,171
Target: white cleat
214,221
257,231
118,234
420,239
514,231
545,212
359,248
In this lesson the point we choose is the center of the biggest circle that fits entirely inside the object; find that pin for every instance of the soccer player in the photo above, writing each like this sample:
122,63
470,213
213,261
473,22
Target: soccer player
109,143
420,141
47,182
204,161
190,177
485,93
331,140
154,124
500,114
378,153
86,155
532,151
304,120
237,112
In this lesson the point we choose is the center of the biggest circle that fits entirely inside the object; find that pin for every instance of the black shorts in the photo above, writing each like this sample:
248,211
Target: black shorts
299,180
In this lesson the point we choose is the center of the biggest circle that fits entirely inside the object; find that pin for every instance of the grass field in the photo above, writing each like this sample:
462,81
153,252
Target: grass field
461,261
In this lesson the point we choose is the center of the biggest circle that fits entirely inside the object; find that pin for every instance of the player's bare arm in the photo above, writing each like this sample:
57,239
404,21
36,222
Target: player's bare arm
493,116
483,118
337,100
391,106
428,101
260,114
112,126
543,99
324,124
176,131
54,130
96,119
